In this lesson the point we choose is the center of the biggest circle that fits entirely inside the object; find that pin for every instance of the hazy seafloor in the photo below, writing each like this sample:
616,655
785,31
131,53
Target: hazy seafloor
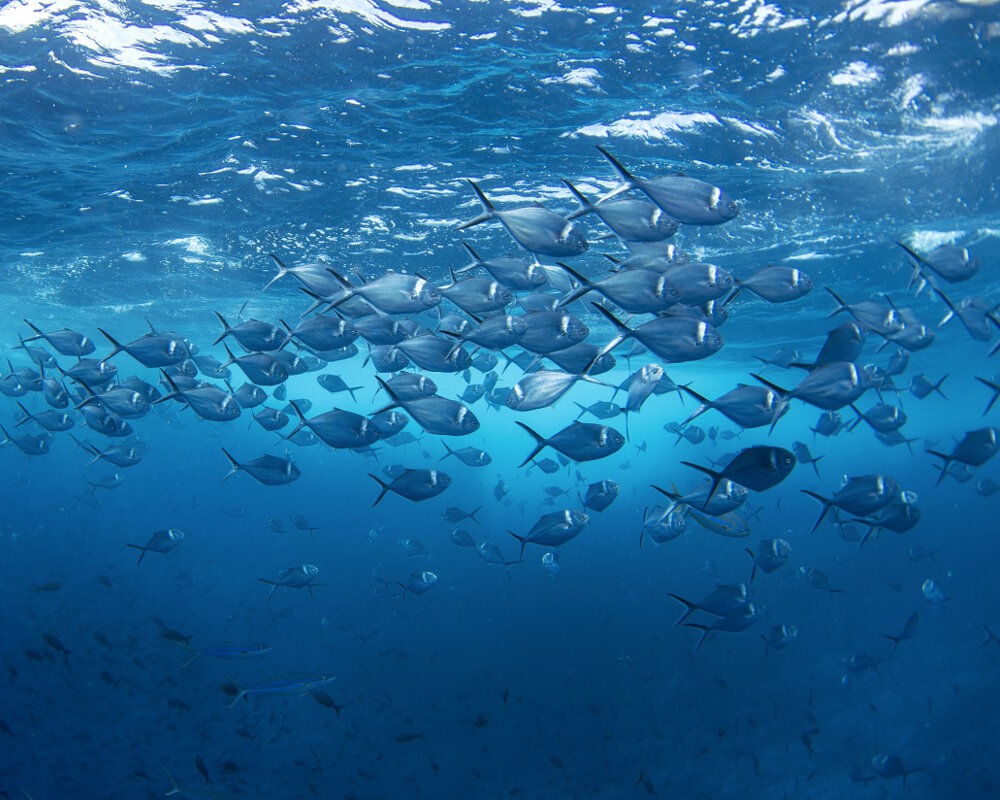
154,153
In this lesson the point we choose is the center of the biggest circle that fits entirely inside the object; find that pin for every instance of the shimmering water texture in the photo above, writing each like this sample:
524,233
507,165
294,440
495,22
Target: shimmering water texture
499,399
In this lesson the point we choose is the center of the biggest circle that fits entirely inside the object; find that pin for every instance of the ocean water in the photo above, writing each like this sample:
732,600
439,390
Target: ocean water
155,153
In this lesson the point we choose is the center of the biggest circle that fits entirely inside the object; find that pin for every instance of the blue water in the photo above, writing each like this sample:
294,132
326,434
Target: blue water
154,153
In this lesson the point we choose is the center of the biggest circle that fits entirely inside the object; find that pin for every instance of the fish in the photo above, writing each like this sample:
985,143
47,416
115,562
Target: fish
881,417
454,515
537,229
757,468
554,530
688,200
260,368
477,295
321,334
470,456
28,444
151,349
230,651
461,538
974,449
338,428
771,555
267,469
208,402
802,454
860,495
921,386
66,342
661,524
733,623
949,262
674,339
300,577
414,484
579,441
631,219
600,495
512,272
891,766
253,335
296,686
438,415
419,583
162,541
550,563
600,409
779,637
775,284
747,406
881,319
637,291
334,384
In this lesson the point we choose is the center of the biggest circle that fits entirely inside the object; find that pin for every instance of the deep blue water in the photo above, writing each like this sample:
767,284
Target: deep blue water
153,154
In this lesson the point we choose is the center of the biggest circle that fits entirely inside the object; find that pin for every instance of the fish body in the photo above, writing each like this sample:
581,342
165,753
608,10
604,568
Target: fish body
631,219
414,484
66,342
160,542
600,495
580,441
537,229
673,339
267,469
555,529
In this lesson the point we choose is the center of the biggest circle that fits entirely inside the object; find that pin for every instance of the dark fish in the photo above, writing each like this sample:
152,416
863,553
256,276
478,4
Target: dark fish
828,386
334,384
861,496
953,264
549,331
260,368
151,349
28,444
321,333
975,449
757,468
410,386
271,419
881,417
555,529
250,396
637,291
734,623
779,637
771,554
419,583
435,414
53,641
580,441
537,229
454,514
747,406
843,343
600,495
873,316
338,428
253,334
408,736
391,293
414,484
202,769
267,469
829,424
891,766
600,409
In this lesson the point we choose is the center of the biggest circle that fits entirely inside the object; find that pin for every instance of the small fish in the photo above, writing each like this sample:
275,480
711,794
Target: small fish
407,736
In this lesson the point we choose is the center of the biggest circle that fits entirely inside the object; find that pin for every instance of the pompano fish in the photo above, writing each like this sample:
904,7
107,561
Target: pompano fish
477,295
160,542
757,468
208,402
662,524
881,417
747,406
392,293
494,333
637,291
632,219
548,331
300,577
975,449
953,264
151,349
600,495
882,319
28,444
269,470
414,484
253,334
687,200
514,273
775,284
338,428
260,368
674,339
801,450
410,386
555,529
541,389
470,456
921,387
779,637
50,420
419,583
580,441
735,623
322,333
860,495
771,554
843,343
537,229
435,414
65,341
828,386
723,601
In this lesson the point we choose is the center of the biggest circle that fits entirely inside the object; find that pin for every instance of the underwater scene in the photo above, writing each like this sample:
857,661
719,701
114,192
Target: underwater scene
499,399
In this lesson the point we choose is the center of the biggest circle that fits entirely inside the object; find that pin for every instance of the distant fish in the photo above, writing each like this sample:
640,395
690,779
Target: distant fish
160,542
414,484
300,577
267,469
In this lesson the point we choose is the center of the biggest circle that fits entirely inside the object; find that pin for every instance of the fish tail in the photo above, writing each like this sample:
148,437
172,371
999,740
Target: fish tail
476,260
282,271
488,213
449,453
475,511
523,540
944,466
584,287
626,177
226,330
642,531
767,645
852,425
705,630
624,332
191,660
753,569
174,788
713,474
586,206
826,507
116,347
171,394
381,483
38,334
841,305
274,588
236,467
583,409
937,387
985,382
142,552
302,419
688,606
814,462
540,443
27,414
732,296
